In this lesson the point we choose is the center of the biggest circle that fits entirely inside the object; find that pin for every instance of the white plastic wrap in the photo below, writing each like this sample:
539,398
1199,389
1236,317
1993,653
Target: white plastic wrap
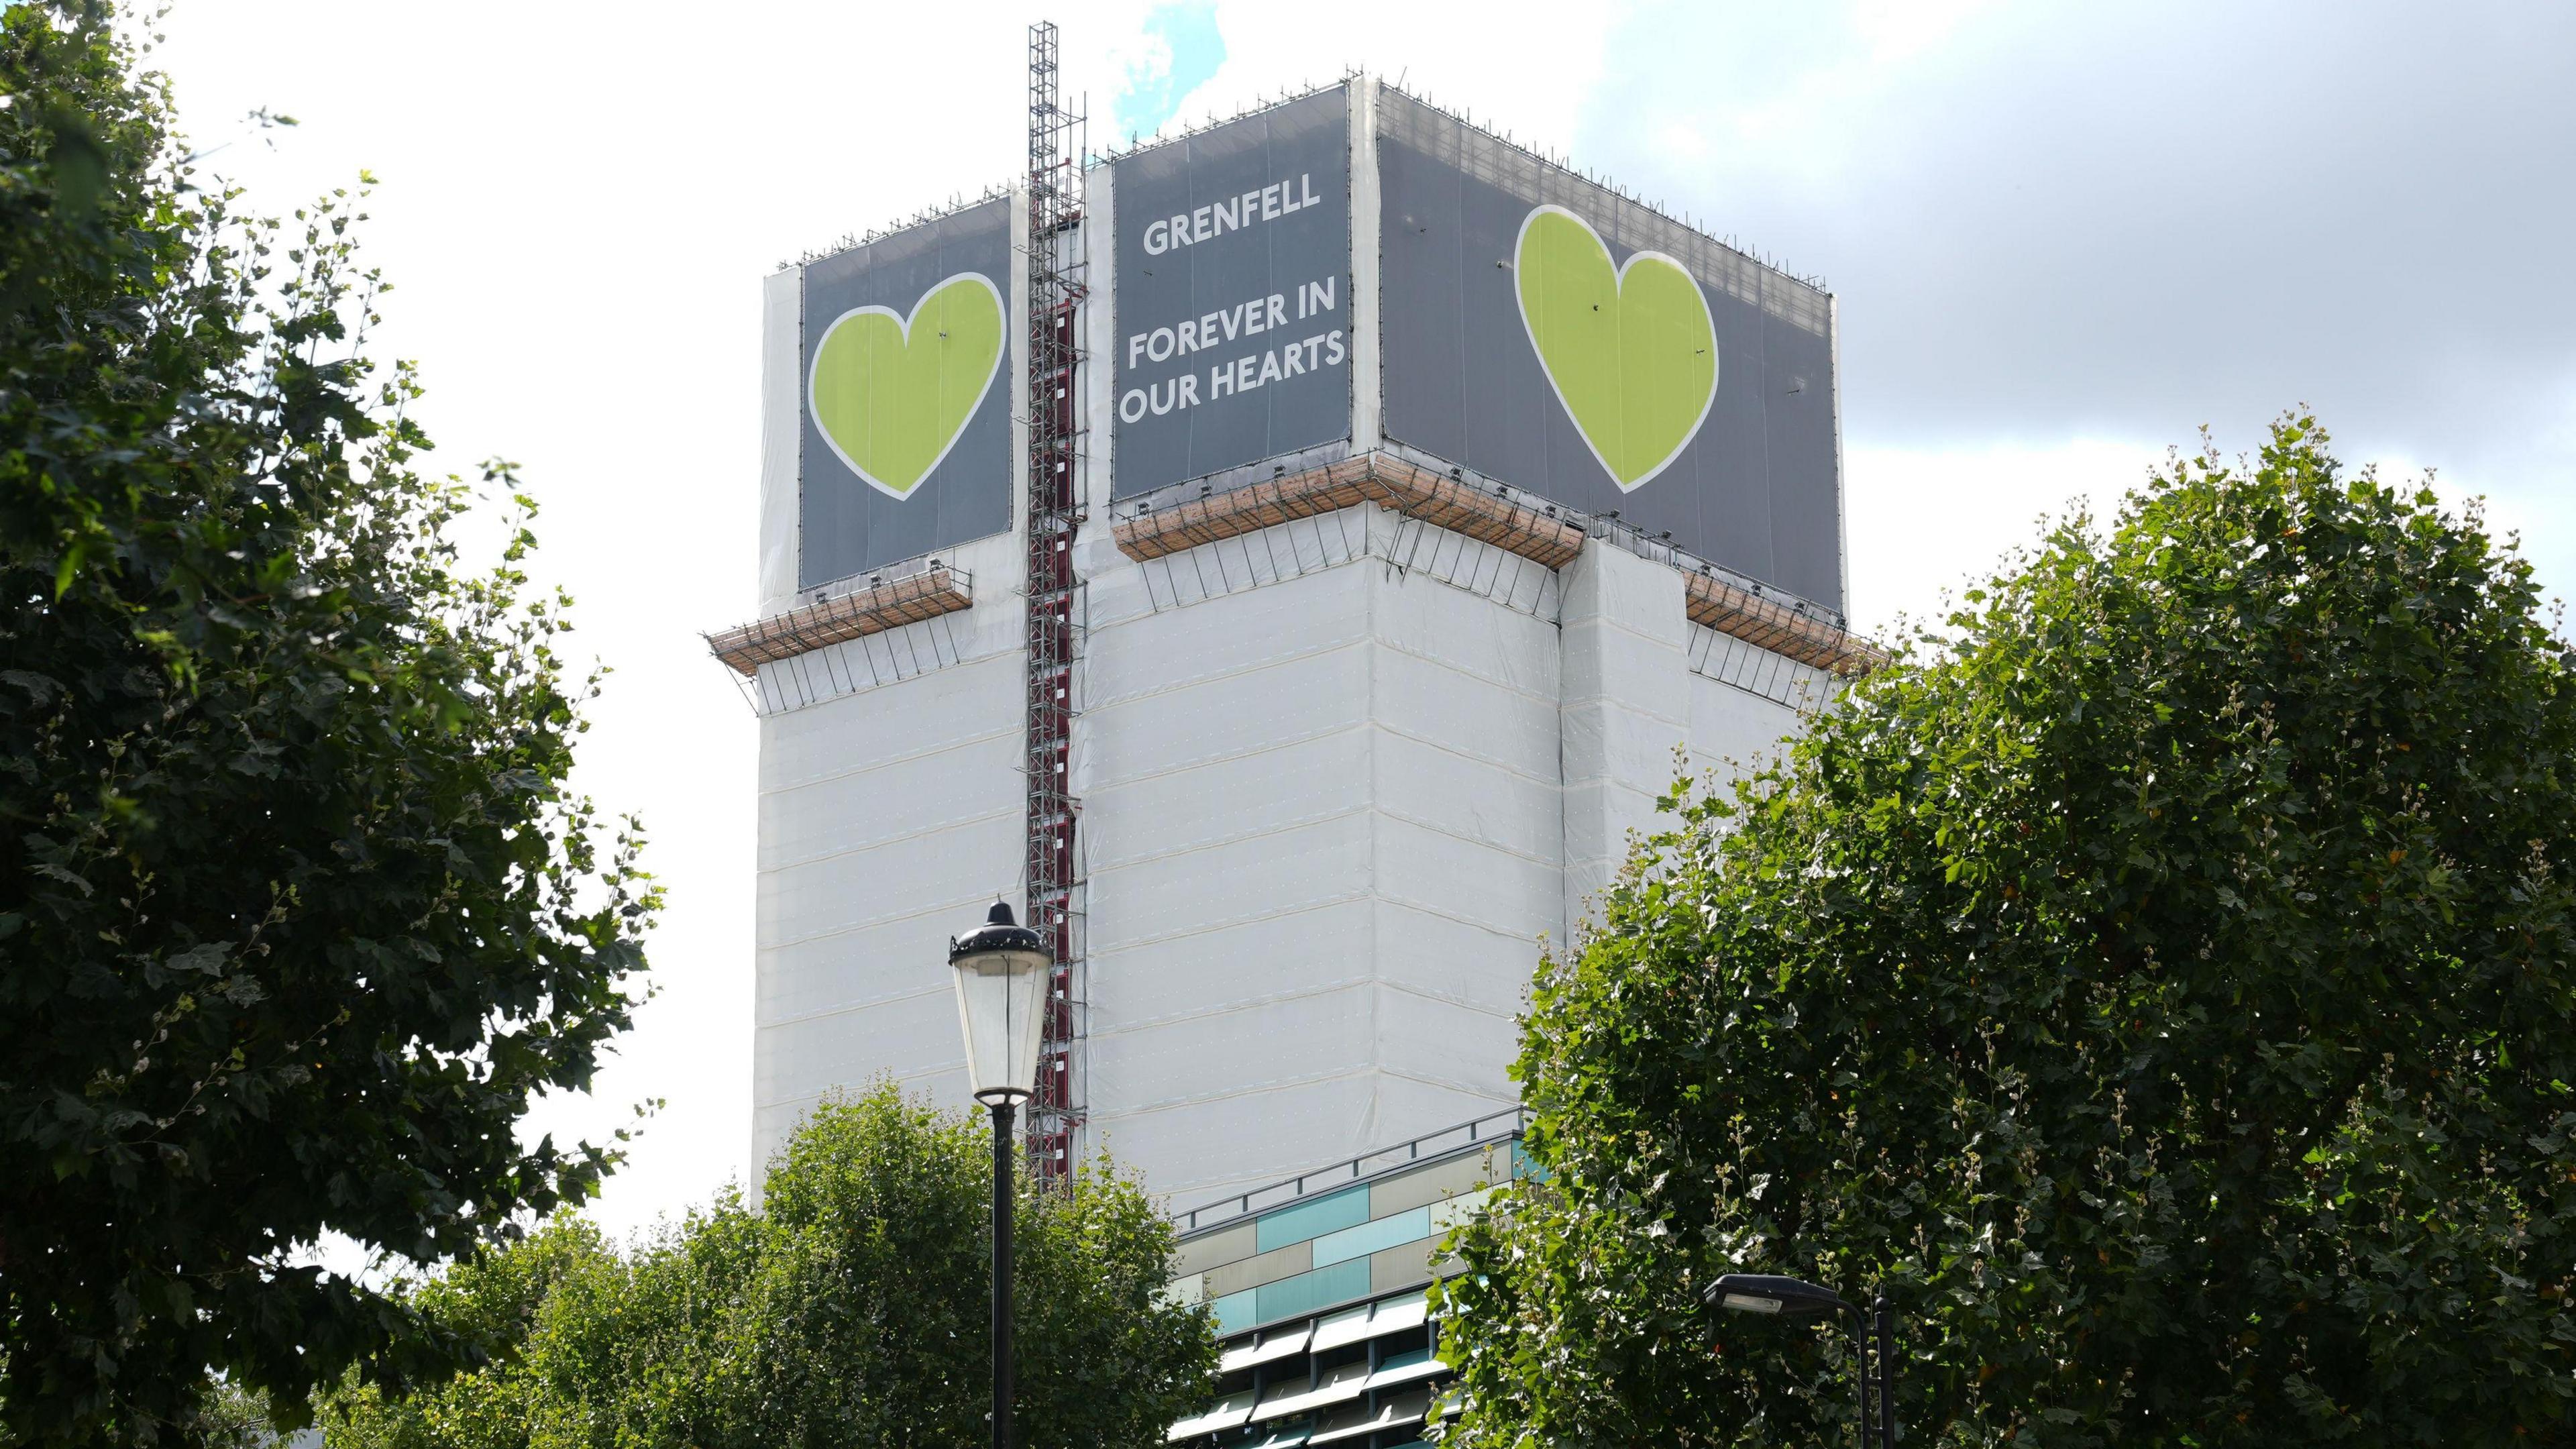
1732,728
1499,804
1501,728
1327,820
1304,781
1472,963
890,817
1283,1129
1435,870
782,369
1626,705
1211,973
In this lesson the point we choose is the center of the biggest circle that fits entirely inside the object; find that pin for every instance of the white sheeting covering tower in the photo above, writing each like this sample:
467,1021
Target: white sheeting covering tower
1343,776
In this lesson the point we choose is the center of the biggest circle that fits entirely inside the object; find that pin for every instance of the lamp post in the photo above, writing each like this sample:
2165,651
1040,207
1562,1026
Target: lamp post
1796,1299
1001,970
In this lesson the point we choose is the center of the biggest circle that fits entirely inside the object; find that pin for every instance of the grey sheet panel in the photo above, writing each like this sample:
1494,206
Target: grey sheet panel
848,526
1757,487
1243,231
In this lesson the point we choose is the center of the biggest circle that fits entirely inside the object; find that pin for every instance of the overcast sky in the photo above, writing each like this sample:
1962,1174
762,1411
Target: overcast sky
2063,238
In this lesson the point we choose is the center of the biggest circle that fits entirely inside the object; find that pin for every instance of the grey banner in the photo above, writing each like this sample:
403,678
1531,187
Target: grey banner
1233,295
1755,487
913,452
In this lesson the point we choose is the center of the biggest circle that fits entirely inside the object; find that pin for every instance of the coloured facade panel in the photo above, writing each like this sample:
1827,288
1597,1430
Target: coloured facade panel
1343,1348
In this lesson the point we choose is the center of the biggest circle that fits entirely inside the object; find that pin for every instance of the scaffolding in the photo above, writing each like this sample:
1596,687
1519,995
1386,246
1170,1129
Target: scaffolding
1054,595
913,593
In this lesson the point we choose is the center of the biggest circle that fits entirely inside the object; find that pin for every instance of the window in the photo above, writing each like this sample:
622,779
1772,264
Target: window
1333,1386
1351,1325
1405,1368
1278,1343
1231,1410
1390,1410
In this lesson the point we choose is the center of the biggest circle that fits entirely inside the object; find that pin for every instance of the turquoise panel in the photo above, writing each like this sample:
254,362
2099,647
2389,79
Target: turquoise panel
1403,1360
1311,1292
1234,1311
1344,1209
1523,1167
1369,1237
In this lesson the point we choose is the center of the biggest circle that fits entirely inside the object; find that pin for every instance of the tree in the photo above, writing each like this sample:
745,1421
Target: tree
849,1311
296,914
2157,984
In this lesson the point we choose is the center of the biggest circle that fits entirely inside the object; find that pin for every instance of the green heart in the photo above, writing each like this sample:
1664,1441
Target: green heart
1630,350
891,394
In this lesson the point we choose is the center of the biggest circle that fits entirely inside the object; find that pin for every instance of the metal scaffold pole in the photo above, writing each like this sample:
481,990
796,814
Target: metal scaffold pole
1054,595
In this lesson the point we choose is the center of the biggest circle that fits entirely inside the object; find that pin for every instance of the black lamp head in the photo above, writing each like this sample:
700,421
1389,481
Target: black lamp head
1769,1293
998,933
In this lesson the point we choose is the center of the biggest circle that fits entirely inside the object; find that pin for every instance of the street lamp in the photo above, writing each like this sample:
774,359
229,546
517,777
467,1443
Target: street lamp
1796,1299
1001,969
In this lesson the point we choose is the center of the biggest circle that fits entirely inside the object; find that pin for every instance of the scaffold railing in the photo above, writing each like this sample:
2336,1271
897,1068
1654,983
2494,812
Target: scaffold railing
1486,1132
835,615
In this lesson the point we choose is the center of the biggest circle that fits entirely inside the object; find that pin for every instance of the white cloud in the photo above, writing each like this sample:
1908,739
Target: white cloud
1923,524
